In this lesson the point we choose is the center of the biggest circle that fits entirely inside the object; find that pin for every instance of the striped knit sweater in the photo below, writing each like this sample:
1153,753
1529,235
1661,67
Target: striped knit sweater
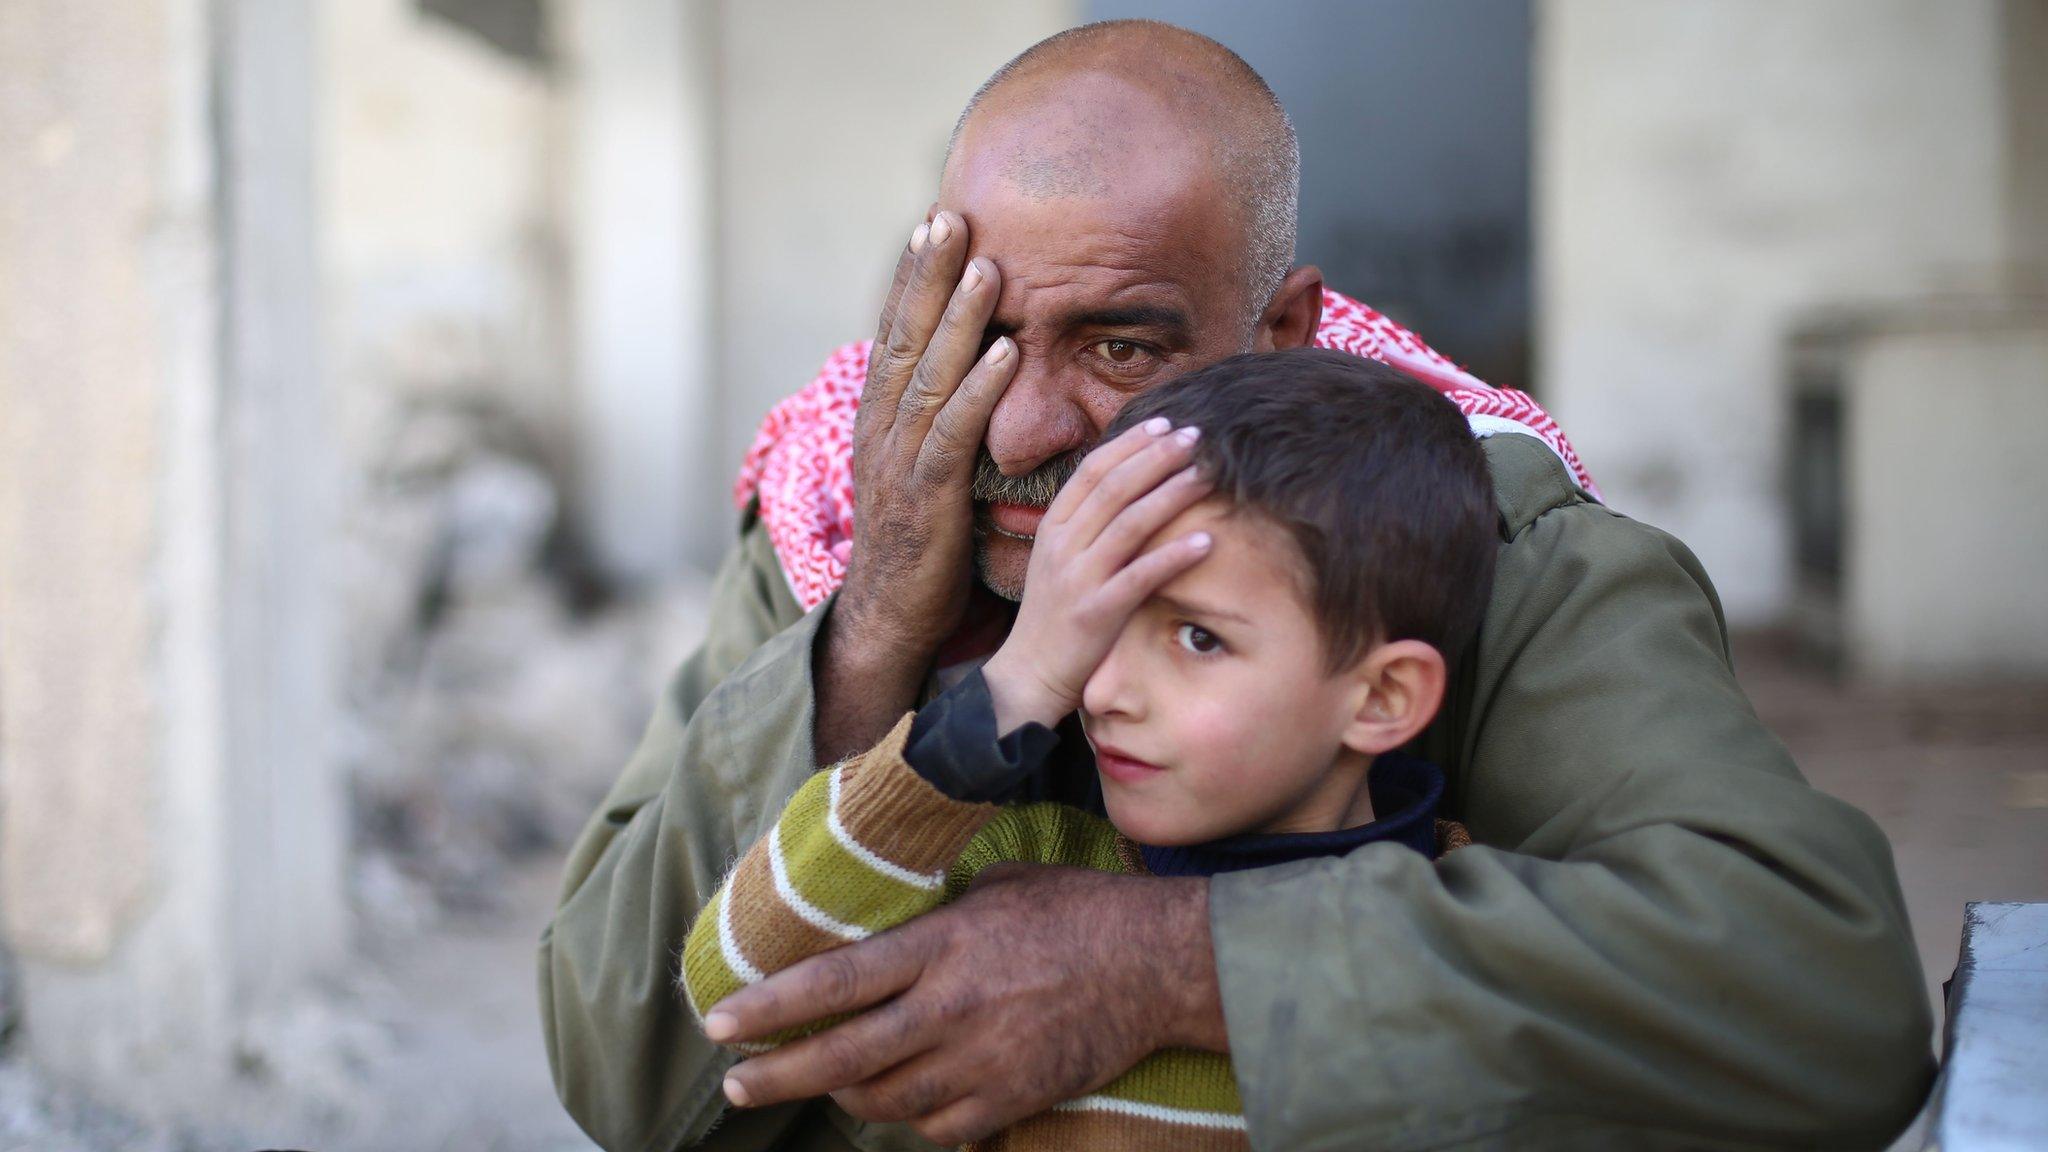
867,845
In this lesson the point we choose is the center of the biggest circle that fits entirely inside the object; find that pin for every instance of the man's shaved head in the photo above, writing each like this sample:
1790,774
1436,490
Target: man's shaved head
1205,94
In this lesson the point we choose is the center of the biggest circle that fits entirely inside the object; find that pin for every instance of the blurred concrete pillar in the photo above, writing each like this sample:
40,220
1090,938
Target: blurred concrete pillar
171,840
1708,173
643,267
1947,535
1923,542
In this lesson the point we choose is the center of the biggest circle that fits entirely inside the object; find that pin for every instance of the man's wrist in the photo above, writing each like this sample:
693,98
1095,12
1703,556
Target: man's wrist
857,653
1183,954
865,681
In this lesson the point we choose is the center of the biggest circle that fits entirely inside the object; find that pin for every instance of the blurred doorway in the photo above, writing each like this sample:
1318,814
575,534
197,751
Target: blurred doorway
1414,125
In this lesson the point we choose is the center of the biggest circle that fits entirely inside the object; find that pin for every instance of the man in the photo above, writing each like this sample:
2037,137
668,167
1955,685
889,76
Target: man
1662,936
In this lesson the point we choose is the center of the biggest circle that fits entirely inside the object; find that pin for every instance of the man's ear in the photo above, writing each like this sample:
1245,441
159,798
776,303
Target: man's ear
1398,688
1294,314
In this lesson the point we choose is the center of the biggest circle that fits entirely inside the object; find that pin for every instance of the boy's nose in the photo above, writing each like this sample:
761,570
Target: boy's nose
1111,690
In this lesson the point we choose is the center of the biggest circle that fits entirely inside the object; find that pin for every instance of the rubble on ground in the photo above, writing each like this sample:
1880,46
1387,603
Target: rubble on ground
495,687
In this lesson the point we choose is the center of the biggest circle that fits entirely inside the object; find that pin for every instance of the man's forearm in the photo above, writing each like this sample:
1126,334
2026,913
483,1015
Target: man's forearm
1063,977
864,681
883,805
1179,941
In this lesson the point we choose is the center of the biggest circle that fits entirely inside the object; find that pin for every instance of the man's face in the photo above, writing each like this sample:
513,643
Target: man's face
1108,287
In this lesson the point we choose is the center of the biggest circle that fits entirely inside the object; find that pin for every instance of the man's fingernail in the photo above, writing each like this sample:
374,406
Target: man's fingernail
972,279
720,1026
1199,542
917,238
942,227
1189,435
1158,426
735,1092
998,351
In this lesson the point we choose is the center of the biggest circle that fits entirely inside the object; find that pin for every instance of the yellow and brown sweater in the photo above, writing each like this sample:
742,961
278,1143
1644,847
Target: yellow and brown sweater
869,844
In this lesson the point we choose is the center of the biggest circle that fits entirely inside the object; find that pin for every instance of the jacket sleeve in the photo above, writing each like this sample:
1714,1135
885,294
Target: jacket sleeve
862,847
1662,936
729,742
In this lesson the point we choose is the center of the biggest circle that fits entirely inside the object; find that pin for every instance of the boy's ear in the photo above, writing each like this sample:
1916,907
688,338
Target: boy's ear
1398,688
1295,312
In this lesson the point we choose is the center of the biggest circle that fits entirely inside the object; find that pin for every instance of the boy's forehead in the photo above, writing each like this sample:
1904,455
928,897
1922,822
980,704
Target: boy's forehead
1254,556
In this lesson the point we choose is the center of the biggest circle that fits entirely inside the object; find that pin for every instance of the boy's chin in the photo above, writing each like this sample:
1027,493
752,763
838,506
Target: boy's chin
1145,824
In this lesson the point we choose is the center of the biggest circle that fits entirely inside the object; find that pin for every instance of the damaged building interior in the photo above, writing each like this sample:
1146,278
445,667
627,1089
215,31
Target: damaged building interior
374,373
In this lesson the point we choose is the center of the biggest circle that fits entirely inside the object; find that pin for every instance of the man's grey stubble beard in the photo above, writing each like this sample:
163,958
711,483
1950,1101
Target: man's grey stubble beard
1034,489
984,570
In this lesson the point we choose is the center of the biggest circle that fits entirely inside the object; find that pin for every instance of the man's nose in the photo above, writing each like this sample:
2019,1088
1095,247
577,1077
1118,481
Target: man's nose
1036,420
1112,690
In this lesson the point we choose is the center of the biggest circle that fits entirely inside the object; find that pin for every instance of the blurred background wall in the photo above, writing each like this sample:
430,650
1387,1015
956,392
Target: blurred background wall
373,374
171,848
1711,178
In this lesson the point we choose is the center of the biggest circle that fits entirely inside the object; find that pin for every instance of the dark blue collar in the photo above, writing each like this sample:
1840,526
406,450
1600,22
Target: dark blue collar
1406,789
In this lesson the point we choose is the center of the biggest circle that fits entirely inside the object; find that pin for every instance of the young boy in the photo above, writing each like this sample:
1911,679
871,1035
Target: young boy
1250,593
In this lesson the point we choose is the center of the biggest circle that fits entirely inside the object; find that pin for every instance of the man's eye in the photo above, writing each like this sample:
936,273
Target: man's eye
1120,352
1197,639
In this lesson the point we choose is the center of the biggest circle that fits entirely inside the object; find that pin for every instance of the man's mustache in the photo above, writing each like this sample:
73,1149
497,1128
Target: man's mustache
1034,489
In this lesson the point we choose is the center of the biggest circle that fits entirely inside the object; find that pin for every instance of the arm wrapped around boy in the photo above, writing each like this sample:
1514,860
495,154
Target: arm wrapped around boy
873,842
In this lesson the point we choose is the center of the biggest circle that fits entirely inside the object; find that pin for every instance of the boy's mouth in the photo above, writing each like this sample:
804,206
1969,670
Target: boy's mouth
1121,766
1017,521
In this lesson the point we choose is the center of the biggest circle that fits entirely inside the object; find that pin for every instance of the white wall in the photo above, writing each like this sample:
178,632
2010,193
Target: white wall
1707,172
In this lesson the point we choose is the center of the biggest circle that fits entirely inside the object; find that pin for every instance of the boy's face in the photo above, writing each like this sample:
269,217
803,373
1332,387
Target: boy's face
1214,713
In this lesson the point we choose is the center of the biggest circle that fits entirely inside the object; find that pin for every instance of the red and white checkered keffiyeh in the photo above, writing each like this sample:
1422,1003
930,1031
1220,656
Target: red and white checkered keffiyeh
800,467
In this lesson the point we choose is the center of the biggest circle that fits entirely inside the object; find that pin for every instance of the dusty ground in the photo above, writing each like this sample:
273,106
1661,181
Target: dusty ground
433,1044
467,1071
1957,776
430,1044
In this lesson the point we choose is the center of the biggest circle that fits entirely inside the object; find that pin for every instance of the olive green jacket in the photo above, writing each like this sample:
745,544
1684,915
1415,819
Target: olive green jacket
1662,936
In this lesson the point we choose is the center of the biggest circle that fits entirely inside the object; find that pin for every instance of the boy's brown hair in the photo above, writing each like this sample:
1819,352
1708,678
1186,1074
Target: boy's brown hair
1376,477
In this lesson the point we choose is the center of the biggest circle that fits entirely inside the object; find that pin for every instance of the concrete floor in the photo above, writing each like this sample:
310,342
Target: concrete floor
467,1071
1957,776
430,1043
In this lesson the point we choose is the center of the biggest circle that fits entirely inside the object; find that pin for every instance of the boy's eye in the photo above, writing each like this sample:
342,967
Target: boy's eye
1197,639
